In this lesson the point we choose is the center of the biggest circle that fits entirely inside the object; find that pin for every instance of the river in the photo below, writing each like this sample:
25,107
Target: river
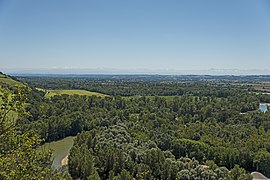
264,107
60,149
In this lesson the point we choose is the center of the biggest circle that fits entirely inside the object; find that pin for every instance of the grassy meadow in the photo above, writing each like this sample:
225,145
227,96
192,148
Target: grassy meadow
50,93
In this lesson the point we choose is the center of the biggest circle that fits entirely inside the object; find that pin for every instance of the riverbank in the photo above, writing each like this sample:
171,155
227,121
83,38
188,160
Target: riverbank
64,161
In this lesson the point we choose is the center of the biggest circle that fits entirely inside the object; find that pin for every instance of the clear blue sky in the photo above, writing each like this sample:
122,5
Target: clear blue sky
135,34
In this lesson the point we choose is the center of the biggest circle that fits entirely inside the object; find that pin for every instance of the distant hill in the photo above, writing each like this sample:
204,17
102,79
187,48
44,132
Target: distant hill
8,81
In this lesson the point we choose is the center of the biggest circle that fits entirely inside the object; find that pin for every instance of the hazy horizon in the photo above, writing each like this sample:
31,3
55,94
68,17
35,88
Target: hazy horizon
75,71
118,36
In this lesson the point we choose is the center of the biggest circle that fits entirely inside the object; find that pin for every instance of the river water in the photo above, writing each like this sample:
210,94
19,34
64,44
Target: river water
59,149
263,107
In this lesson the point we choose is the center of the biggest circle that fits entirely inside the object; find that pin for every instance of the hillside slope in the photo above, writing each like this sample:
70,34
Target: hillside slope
6,80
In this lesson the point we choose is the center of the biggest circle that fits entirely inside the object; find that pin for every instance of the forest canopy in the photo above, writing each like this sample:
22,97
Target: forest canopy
153,129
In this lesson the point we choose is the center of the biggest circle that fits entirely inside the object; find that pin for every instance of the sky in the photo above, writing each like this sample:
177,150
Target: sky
130,35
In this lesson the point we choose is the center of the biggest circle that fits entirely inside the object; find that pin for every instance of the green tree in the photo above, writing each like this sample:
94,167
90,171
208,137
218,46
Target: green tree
262,162
19,158
238,173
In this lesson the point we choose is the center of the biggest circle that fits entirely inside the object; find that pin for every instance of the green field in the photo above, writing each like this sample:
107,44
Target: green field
40,89
50,93
170,98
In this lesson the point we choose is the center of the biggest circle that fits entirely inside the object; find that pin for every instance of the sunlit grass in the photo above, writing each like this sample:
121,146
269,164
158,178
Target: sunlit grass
50,93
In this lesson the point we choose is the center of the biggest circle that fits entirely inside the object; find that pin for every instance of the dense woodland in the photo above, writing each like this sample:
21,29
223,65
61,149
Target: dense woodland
136,87
154,129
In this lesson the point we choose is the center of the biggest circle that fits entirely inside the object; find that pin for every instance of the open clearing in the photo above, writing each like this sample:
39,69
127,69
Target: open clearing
50,93
261,86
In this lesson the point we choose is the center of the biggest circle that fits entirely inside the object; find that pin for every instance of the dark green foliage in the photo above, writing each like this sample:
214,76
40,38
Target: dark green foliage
81,163
191,148
19,158
155,136
262,161
117,155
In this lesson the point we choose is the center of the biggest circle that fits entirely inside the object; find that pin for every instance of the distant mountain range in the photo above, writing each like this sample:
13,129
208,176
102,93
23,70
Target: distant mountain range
137,71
